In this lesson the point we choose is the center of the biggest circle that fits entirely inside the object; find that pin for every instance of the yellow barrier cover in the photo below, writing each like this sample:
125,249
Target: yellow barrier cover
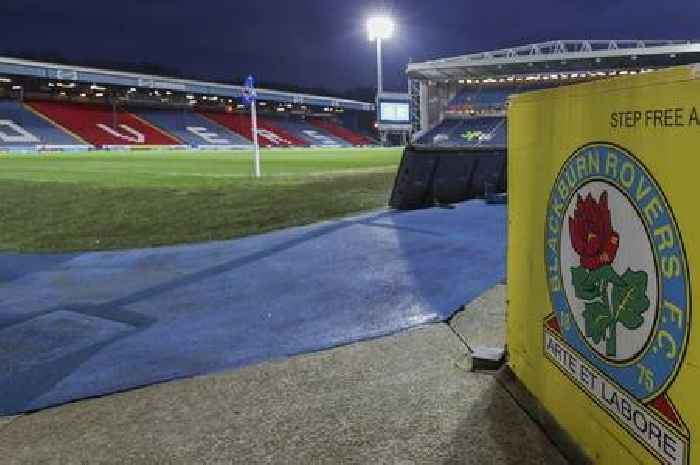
604,229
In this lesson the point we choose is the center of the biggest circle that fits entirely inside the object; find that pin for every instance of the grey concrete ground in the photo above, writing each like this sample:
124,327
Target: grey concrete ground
482,322
6,420
403,399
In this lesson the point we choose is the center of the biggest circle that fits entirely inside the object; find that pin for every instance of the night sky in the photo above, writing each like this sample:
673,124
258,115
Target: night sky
318,43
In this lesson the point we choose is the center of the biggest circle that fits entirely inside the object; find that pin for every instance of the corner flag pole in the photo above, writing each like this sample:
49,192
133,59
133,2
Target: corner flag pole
254,117
251,97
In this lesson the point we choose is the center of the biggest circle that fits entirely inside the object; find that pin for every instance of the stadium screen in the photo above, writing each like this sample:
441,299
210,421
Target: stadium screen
394,112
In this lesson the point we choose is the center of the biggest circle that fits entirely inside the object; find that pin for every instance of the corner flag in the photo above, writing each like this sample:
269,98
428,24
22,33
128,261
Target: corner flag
249,97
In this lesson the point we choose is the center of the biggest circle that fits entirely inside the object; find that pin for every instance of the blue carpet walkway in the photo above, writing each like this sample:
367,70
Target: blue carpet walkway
81,325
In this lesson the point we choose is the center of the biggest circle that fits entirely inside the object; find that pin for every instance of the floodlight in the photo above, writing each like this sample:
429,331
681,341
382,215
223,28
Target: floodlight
380,27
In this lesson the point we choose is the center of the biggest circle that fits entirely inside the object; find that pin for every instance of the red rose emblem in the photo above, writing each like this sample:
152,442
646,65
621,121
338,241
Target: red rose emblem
592,236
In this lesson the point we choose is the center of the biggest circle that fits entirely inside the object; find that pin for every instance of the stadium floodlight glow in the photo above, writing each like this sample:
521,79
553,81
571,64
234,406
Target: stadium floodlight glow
380,28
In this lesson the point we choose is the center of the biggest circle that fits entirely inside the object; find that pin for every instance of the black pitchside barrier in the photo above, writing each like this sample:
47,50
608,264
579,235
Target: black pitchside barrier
434,175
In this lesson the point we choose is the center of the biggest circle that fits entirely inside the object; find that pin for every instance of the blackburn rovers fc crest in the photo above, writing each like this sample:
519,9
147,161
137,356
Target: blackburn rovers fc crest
620,294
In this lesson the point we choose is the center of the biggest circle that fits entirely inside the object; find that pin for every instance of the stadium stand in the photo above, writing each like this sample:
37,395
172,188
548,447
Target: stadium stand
21,127
268,134
44,122
95,124
440,133
314,136
192,128
489,98
481,97
479,131
267,125
340,132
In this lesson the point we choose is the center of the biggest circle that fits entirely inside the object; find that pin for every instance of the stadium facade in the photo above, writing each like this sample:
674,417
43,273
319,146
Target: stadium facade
458,108
45,106
461,101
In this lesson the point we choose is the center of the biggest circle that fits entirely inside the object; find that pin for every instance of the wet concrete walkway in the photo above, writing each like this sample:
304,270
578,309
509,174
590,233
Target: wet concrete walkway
402,399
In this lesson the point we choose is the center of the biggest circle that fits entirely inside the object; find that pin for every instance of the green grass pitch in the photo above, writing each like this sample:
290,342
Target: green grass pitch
115,200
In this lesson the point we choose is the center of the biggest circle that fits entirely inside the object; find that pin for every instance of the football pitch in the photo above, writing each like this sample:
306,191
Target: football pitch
116,200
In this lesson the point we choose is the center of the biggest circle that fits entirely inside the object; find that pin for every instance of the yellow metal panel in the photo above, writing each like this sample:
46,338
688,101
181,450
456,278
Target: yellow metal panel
604,227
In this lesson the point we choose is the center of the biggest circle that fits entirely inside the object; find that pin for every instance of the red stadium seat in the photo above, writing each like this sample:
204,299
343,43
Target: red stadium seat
268,133
339,131
267,125
96,124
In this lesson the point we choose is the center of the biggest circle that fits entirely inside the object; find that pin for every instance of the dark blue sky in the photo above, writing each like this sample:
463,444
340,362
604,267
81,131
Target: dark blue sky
320,43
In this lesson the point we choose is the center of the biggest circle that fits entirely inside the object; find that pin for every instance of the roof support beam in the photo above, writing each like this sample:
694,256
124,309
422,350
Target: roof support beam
572,54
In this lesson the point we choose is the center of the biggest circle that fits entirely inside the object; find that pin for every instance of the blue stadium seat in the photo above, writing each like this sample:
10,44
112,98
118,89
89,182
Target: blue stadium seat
192,128
492,97
22,128
469,132
313,135
441,133
482,97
